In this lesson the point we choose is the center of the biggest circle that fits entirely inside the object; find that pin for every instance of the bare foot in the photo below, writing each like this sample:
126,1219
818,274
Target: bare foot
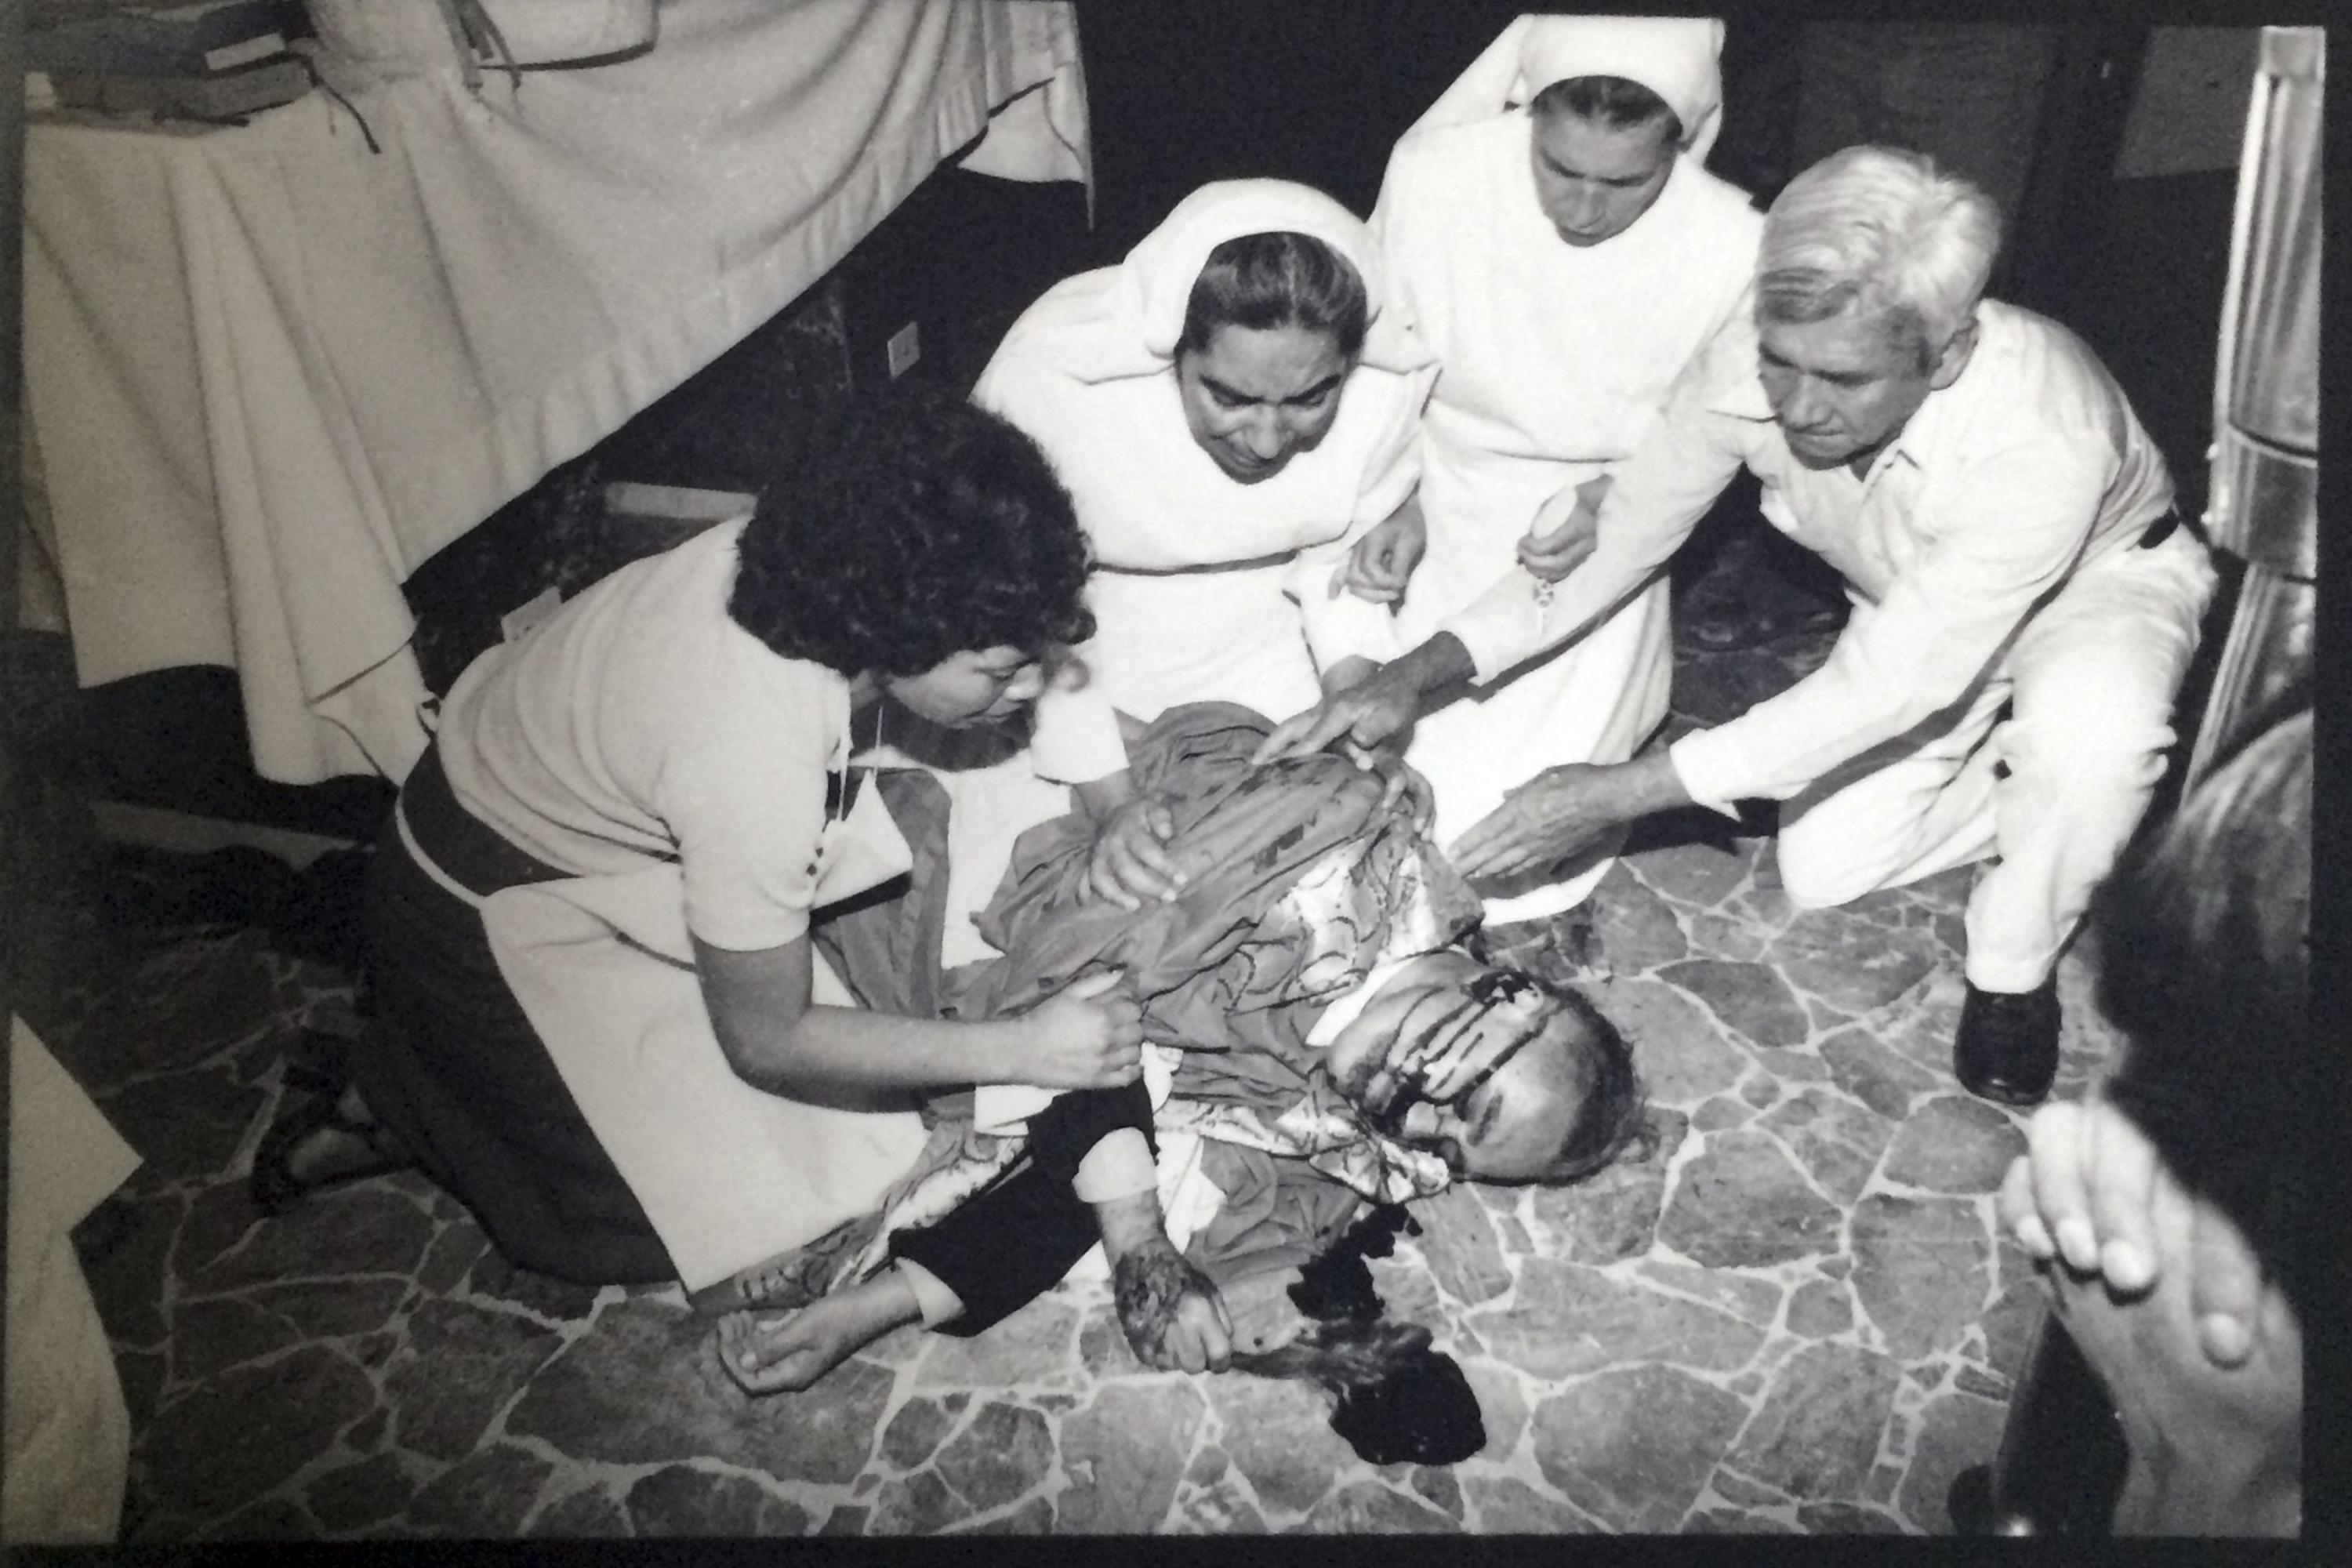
770,1353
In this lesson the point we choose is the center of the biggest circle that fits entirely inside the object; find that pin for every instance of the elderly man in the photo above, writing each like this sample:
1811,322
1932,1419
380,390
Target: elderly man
2007,533
1549,229
1327,1035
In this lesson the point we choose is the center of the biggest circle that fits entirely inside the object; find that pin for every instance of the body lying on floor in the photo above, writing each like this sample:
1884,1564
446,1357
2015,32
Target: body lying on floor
1322,1032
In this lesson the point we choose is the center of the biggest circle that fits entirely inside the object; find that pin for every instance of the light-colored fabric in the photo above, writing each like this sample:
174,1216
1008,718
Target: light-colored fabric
729,1175
274,372
1118,1166
68,1444
646,742
643,722
2025,487
1555,361
2027,467
2055,791
1677,58
1087,373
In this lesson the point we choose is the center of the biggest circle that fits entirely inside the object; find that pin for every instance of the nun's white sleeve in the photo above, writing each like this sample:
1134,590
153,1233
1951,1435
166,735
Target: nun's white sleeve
1654,501
1338,625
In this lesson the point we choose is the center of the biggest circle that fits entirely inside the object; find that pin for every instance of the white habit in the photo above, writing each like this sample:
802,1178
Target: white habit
1553,362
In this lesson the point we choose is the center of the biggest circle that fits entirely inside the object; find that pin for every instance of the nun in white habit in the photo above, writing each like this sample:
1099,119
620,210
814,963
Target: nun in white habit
1232,408
1554,242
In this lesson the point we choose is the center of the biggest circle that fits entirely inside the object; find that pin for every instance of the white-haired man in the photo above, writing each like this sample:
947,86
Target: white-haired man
2007,533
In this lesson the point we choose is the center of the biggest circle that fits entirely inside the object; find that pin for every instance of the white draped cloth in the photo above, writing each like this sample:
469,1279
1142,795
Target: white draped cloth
1208,589
1554,361
271,371
68,1448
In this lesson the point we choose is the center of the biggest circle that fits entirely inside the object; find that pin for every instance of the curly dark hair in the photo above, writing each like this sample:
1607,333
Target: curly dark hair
910,527
1277,279
1615,102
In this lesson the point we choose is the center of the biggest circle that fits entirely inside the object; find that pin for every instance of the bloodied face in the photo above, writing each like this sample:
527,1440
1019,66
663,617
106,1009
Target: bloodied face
1478,1065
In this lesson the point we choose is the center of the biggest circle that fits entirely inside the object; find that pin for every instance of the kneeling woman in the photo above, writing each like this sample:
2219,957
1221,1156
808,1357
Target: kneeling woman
588,920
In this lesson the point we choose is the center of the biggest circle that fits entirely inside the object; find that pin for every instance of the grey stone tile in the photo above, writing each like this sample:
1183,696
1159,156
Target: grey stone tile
1279,1437
1956,1431
1125,1452
368,1228
1502,1403
1004,1453
487,1493
1369,1508
1846,1518
1881,1079
1567,1319
1636,928
1751,999
1035,1516
1743,1203
1837,1141
236,1436
1506,1505
586,1514
1816,1434
1678,1048
1633,1448
186,1124
209,1336
1458,1243
914,1431
350,1496
1920,1269
1752,1299
1852,963
1030,1349
642,1386
1437,1486
461,1365
679,1500
1955,1144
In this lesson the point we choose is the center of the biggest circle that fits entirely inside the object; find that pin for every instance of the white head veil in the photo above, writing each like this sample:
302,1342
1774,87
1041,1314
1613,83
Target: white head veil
1124,321
1677,58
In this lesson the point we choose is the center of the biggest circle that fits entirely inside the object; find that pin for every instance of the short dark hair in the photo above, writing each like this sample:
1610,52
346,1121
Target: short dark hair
911,526
2204,939
1277,279
1614,101
1612,1115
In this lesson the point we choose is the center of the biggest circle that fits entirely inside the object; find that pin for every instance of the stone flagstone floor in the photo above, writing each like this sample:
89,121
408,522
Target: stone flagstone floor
1795,1316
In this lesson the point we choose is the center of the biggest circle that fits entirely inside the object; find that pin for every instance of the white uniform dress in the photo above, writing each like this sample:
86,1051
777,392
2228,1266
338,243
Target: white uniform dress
1554,362
1206,588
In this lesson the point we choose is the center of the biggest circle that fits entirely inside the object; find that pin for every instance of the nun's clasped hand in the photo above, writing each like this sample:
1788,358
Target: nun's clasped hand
1383,562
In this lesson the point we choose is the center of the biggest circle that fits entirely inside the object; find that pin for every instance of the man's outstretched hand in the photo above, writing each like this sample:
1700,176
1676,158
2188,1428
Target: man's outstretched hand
1567,811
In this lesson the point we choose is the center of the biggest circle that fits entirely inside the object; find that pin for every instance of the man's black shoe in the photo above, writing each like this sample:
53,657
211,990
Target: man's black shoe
2008,1044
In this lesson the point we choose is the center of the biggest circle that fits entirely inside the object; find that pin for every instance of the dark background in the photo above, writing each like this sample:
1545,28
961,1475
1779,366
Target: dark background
1315,90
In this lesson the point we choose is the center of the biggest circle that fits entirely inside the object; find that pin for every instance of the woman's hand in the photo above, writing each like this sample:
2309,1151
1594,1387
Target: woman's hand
1383,560
1566,530
1090,1036
1130,864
